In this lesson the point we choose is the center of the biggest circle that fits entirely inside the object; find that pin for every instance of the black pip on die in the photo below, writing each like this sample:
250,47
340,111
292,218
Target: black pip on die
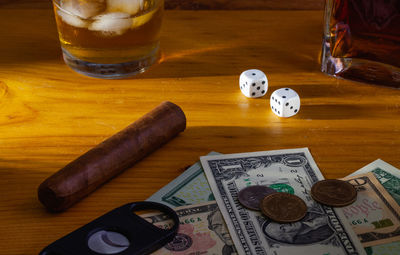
285,102
253,83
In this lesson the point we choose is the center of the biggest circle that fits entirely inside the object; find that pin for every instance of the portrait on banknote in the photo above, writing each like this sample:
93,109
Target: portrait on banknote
313,228
216,224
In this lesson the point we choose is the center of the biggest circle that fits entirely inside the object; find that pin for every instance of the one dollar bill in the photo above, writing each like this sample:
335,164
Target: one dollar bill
202,230
323,231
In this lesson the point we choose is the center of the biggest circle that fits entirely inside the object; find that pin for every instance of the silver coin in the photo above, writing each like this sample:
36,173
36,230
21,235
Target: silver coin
251,197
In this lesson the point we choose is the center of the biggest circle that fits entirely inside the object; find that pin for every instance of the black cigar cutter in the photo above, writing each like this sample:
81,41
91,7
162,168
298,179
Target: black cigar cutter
120,232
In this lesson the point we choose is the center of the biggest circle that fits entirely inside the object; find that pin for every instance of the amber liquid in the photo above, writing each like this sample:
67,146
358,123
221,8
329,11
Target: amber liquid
364,37
134,43
366,29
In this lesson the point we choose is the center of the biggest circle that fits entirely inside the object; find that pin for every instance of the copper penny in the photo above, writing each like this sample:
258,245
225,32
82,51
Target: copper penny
333,192
283,207
250,197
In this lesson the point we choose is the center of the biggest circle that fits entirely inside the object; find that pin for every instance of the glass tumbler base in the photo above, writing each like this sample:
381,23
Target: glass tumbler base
110,71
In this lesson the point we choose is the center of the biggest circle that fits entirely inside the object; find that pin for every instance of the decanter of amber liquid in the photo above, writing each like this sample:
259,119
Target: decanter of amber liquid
362,41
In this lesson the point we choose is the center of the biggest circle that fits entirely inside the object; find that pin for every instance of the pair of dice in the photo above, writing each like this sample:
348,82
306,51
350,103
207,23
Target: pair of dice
284,102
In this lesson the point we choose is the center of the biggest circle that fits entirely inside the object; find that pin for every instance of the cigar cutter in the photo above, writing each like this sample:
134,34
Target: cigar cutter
120,232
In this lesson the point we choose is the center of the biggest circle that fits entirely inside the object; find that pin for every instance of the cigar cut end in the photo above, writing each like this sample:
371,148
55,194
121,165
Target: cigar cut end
50,200
179,113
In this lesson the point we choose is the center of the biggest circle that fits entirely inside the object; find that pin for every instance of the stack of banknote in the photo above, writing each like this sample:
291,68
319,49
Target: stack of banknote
214,222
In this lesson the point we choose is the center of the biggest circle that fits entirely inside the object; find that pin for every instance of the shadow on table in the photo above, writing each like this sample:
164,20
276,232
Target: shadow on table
231,60
20,178
340,112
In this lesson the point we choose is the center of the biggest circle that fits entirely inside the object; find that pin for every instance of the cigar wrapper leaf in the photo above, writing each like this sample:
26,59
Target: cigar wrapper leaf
114,155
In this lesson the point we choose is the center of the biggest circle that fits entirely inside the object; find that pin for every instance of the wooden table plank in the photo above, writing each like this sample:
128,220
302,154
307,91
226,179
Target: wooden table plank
198,4
50,115
244,4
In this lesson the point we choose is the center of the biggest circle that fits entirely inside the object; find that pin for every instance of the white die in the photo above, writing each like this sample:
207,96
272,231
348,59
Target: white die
285,102
253,83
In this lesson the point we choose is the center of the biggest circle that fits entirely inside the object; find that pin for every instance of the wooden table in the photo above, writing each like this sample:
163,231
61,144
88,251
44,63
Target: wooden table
49,114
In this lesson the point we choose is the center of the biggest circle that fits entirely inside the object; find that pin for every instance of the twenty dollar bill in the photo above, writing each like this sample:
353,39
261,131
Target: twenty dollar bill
389,177
191,187
374,216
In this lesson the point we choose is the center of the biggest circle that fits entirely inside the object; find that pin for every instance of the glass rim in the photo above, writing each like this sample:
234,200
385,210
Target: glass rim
131,16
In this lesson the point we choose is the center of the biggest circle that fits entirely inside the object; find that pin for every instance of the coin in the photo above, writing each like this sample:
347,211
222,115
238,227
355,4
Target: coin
251,196
333,192
283,207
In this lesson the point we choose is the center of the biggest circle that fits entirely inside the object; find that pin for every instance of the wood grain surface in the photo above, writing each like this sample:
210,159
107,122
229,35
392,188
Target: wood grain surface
49,115
199,4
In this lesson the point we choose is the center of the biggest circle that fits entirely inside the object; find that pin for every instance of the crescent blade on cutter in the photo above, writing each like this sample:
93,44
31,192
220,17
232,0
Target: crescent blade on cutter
107,240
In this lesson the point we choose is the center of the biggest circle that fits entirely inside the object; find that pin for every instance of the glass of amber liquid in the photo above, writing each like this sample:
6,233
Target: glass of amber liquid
109,38
361,41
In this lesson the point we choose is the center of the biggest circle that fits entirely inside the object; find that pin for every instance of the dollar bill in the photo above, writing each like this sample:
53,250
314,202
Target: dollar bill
324,230
384,249
191,187
389,177
202,230
375,215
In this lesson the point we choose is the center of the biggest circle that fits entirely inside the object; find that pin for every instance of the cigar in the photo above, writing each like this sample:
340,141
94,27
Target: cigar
121,151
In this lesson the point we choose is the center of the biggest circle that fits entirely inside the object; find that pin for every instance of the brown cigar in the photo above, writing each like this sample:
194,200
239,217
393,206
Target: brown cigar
119,152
